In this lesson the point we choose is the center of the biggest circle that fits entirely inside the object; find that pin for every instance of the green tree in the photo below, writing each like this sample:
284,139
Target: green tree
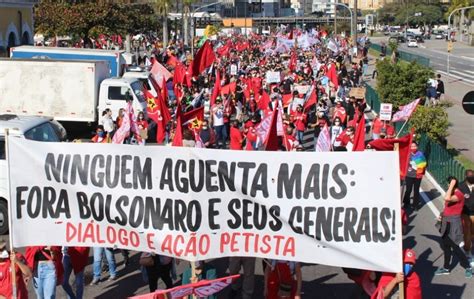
433,121
187,13
400,83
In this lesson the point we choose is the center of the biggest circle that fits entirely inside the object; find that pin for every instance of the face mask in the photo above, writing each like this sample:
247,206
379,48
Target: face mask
470,179
101,134
4,254
407,268
204,127
337,123
413,150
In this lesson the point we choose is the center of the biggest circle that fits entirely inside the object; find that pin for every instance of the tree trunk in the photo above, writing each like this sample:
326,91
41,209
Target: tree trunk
186,25
165,31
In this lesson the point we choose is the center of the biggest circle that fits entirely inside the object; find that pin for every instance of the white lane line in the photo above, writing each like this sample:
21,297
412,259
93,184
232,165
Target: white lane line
429,203
457,77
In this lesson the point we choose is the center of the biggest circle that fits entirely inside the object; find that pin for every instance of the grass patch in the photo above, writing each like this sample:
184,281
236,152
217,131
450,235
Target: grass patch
458,156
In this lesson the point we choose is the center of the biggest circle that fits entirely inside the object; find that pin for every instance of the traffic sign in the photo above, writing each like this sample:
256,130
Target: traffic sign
450,46
468,102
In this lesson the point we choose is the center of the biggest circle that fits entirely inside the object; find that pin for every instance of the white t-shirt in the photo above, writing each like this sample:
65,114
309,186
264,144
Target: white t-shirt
218,116
108,123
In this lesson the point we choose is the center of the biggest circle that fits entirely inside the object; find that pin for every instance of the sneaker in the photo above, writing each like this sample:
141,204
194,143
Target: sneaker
442,271
112,278
468,273
95,281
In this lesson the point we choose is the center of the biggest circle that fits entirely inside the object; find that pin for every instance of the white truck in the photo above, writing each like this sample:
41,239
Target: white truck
68,90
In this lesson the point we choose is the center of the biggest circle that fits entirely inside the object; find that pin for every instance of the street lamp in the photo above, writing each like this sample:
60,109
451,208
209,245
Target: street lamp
227,2
449,28
350,11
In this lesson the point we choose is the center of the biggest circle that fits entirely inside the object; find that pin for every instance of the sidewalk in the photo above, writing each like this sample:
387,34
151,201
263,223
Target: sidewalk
461,124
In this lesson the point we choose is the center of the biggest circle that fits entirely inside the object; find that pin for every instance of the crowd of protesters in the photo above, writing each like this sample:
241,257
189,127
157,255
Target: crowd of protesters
312,96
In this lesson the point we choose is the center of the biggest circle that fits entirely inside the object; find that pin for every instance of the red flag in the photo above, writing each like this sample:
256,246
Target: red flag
271,142
189,75
404,145
172,61
179,76
217,88
286,99
162,119
359,137
204,58
178,134
290,35
197,113
229,88
293,61
312,100
264,101
332,75
164,90
151,107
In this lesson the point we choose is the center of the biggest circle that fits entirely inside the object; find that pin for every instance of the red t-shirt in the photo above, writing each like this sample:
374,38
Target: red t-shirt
300,121
6,279
412,285
454,208
235,139
251,137
377,126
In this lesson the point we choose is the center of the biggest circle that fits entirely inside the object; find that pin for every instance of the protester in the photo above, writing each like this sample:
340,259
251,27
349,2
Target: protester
439,87
467,188
415,172
283,280
101,136
74,259
22,273
218,123
107,122
157,266
389,283
207,135
46,265
248,277
142,127
202,271
236,136
451,230
99,252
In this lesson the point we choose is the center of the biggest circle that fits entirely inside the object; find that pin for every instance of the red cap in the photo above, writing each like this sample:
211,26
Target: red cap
409,256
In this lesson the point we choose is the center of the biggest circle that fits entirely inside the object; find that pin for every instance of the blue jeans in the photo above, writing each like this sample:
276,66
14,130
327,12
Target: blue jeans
221,136
79,280
45,282
299,136
109,255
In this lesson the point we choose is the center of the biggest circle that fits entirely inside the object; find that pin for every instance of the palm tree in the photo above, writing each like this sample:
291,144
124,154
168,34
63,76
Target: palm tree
186,10
162,8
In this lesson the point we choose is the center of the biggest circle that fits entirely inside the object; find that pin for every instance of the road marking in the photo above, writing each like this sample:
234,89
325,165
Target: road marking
429,203
457,77
468,58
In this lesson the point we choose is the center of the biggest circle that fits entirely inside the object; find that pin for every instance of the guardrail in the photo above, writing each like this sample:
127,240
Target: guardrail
441,162
404,55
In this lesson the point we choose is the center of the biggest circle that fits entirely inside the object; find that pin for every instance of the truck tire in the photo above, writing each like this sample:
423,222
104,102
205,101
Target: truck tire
3,218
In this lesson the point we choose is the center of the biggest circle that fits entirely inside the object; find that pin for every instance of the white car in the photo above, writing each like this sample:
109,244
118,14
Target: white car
412,43
36,128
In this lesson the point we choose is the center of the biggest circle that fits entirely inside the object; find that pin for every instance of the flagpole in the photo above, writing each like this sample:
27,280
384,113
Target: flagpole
401,285
10,226
401,129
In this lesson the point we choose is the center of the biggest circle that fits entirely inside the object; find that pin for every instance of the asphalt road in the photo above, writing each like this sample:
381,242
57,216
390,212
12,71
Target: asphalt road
461,59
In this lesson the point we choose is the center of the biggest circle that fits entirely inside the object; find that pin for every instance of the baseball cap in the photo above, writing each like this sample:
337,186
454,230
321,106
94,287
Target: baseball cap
409,256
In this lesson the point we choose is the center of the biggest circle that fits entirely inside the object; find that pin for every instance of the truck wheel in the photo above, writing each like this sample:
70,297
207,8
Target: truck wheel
3,218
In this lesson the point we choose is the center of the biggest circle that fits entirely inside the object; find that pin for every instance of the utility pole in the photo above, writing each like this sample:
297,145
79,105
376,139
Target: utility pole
335,17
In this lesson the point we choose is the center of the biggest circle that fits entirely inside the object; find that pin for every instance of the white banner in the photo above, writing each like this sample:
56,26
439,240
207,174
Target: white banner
273,77
340,208
386,111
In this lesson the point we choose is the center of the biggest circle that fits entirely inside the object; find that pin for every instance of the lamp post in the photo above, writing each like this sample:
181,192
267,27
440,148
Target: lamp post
449,28
192,20
350,11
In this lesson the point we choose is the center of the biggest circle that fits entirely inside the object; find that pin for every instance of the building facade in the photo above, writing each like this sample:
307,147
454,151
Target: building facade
16,23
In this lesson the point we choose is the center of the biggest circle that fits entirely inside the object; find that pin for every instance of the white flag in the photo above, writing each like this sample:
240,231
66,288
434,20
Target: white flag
324,140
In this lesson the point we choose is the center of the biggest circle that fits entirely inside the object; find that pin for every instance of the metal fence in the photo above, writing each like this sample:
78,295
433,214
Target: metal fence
404,55
441,162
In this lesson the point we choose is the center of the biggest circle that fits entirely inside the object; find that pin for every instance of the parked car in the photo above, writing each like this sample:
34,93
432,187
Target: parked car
397,39
37,128
439,34
412,43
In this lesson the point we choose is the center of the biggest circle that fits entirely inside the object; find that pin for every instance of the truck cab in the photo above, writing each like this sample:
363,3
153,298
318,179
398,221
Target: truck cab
146,78
114,93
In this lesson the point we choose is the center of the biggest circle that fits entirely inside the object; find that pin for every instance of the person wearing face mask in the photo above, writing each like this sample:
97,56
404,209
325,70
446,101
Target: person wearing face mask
346,140
236,136
101,136
299,119
388,286
415,172
207,135
22,273
336,129
142,127
108,122
467,188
